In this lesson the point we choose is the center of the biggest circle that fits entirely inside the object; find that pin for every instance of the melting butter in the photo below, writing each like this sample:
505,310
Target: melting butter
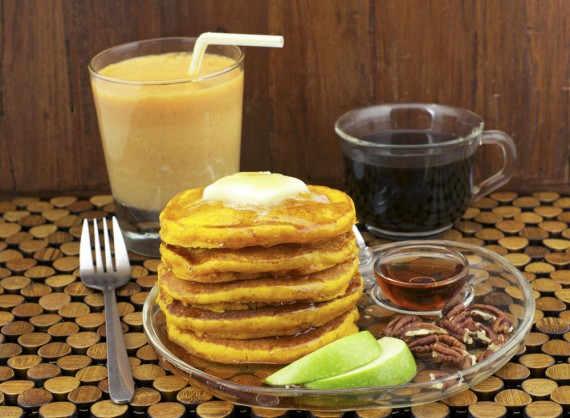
254,188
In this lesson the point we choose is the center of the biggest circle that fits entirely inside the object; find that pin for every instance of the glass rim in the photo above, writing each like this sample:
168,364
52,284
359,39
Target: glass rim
202,77
476,131
412,250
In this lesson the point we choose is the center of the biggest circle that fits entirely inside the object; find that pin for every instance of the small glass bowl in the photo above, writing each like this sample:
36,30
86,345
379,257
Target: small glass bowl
420,277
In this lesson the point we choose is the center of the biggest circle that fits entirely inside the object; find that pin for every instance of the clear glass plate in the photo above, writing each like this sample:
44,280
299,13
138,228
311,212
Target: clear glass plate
493,280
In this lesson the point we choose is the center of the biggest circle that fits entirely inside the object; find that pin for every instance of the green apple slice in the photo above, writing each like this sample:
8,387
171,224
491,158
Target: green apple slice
335,358
396,365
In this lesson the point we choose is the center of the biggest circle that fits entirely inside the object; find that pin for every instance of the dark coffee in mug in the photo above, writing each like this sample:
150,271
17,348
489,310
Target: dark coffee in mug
409,166
418,197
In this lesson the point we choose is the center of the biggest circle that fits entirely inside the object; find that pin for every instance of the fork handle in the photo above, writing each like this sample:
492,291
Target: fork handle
121,385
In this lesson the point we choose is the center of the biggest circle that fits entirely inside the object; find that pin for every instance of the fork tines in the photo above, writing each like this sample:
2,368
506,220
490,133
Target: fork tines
120,250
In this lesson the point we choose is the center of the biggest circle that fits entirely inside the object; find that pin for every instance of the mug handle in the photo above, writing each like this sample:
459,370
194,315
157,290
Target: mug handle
509,150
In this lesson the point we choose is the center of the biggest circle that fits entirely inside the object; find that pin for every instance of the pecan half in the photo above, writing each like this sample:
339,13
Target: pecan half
486,310
445,354
398,324
461,318
421,329
502,325
425,344
452,309
497,319
461,333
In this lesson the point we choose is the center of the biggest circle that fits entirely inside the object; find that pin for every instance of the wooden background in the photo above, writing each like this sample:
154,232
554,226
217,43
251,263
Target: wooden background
507,60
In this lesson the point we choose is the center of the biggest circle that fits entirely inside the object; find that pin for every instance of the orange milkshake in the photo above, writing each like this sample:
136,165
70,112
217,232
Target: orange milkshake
164,132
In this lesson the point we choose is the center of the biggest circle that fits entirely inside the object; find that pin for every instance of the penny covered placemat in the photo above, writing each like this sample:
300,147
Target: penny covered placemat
52,330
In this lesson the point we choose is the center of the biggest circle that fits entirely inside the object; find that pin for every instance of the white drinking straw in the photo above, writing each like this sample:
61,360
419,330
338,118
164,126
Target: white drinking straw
240,39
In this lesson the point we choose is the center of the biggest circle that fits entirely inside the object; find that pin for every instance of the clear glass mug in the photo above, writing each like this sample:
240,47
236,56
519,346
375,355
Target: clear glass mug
410,167
162,131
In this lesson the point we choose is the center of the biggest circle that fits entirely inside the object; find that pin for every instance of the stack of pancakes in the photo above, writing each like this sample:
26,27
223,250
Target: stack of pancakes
258,283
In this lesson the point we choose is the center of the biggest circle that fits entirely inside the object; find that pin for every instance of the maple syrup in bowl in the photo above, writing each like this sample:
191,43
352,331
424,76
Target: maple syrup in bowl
420,277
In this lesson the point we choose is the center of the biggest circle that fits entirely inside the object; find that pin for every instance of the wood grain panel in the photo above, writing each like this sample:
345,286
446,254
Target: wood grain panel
327,65
522,72
425,52
506,60
36,128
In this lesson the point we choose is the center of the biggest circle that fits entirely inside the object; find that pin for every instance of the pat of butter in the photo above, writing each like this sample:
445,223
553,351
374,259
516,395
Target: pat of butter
254,188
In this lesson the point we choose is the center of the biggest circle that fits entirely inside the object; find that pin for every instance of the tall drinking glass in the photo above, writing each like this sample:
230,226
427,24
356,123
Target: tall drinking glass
163,131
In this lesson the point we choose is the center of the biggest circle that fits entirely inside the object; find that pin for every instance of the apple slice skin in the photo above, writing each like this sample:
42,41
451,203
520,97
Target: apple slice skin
395,366
333,359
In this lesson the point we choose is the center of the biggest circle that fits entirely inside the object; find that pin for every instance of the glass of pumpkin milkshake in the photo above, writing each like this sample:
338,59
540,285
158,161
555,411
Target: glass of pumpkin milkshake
162,130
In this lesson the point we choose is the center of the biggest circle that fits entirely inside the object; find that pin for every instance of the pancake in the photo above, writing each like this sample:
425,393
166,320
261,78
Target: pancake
191,222
324,285
280,320
273,350
227,264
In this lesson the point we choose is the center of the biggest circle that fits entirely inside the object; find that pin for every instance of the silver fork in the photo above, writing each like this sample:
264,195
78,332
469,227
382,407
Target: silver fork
107,278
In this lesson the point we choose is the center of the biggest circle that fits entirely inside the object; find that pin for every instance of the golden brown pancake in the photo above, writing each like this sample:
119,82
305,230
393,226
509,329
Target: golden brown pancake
227,264
259,283
273,350
289,319
317,287
191,222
